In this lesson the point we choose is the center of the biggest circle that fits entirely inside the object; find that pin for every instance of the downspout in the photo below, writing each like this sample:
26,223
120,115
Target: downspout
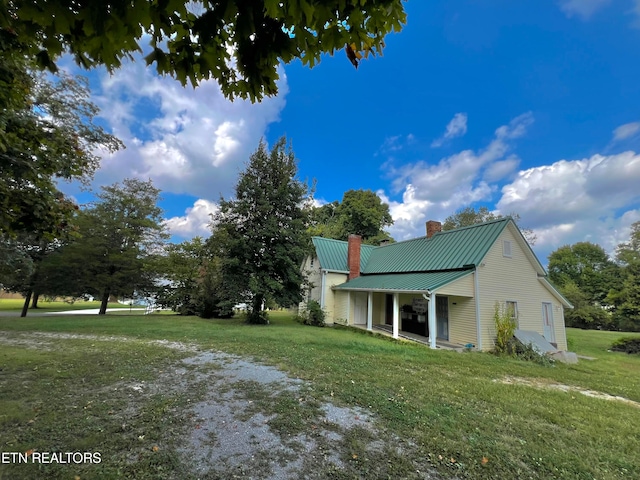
323,283
477,295
431,317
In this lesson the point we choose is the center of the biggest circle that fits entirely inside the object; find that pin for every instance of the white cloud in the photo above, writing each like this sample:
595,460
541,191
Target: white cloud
395,143
627,130
636,11
594,199
568,191
437,190
186,140
457,127
501,169
582,8
195,221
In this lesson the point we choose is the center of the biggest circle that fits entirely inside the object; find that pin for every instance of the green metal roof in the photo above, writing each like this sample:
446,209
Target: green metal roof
450,250
332,254
403,282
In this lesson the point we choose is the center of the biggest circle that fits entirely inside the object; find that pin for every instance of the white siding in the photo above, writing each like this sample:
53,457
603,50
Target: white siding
515,279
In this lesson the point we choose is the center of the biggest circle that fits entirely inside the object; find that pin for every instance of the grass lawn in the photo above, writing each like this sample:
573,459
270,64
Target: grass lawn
457,409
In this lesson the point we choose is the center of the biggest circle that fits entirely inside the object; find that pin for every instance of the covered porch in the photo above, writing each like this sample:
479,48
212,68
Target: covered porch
417,307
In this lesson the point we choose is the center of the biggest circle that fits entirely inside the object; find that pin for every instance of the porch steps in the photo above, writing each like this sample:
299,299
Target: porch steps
418,338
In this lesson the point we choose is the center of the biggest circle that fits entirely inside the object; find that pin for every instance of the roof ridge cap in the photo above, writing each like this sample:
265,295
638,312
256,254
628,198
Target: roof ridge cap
329,239
475,225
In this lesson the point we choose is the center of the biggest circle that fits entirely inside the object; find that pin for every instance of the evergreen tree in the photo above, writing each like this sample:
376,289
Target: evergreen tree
260,234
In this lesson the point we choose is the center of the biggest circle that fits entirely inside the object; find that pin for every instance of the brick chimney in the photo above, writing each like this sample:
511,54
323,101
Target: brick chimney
353,255
433,227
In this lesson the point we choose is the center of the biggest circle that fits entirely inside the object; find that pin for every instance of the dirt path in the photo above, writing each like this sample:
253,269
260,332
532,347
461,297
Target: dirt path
248,420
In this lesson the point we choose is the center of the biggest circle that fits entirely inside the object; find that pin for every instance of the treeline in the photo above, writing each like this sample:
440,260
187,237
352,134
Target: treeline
117,246
604,291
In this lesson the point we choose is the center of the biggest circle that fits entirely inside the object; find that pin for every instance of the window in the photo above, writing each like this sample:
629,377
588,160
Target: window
506,248
312,259
512,308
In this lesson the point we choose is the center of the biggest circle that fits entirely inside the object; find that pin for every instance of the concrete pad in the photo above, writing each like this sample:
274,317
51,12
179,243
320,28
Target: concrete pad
95,311
564,357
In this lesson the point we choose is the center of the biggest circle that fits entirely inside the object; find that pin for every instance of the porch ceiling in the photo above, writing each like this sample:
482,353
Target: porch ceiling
403,282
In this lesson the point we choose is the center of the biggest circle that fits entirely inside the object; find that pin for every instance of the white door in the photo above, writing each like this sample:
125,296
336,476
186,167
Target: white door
547,322
360,308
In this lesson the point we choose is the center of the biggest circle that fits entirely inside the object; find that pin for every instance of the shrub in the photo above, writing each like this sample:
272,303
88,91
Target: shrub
312,314
530,354
627,345
505,327
258,317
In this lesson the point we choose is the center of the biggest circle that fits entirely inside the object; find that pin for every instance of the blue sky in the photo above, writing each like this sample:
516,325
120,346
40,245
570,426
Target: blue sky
529,107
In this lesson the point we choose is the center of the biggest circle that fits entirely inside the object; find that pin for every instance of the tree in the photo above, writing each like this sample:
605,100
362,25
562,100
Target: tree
119,237
194,277
361,212
260,235
192,40
586,275
586,265
468,216
585,313
27,253
626,298
47,134
628,253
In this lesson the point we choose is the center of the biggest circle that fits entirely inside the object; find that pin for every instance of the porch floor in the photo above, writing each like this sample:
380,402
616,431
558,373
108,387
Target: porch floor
388,330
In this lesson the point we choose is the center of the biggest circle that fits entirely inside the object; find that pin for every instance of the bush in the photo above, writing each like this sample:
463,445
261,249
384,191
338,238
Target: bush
312,314
258,317
505,328
530,354
627,345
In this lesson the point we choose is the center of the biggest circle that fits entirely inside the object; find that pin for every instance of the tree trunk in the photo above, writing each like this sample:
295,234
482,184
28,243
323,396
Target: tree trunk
257,304
25,307
105,301
34,302
256,315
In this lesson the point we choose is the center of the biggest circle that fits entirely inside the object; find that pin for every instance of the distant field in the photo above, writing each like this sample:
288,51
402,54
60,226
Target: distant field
470,415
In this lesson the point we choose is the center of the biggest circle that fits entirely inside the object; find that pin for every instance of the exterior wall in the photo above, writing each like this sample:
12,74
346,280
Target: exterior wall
462,320
311,267
504,279
340,299
462,287
378,308
332,279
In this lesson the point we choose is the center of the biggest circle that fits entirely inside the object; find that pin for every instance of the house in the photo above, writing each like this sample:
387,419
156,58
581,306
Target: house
443,287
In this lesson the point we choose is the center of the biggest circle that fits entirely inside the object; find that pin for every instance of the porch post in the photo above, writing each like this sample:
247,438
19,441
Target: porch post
348,307
396,314
369,311
432,320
